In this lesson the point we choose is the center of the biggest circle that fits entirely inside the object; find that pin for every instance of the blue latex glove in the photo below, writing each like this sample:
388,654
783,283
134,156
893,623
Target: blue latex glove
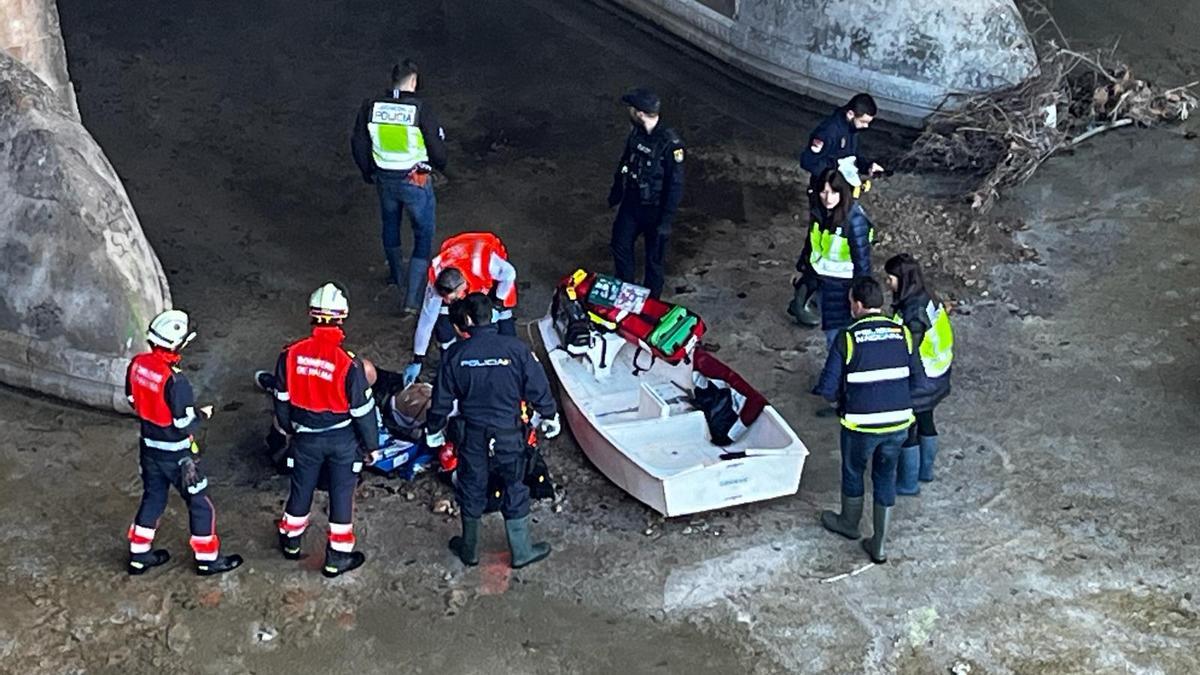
411,372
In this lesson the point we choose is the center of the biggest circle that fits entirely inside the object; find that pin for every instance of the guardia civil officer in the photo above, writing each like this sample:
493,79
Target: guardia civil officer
647,185
868,374
323,400
490,374
836,139
397,141
163,401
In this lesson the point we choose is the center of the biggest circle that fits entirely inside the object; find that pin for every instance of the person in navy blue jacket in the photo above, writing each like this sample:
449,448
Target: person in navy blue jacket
836,251
837,138
869,375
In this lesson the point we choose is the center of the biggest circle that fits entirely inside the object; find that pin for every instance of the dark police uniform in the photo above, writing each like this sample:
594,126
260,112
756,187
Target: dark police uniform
323,399
489,375
648,185
832,140
163,401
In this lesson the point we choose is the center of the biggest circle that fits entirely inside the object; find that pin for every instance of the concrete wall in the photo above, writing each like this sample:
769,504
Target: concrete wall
909,54
29,32
79,281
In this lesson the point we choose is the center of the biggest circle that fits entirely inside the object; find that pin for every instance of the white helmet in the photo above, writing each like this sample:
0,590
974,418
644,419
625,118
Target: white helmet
169,330
328,303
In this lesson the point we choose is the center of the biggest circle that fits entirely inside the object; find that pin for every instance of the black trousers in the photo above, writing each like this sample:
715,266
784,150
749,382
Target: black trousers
923,427
635,221
485,451
338,453
160,472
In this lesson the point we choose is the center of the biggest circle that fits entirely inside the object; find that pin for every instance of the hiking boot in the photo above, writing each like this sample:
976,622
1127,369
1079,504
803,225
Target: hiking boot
338,563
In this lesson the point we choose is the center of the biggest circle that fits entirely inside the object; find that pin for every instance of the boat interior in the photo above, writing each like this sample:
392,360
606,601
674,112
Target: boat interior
647,410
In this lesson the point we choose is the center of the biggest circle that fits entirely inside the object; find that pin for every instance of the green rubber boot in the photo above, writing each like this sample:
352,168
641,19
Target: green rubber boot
875,546
466,547
846,522
523,552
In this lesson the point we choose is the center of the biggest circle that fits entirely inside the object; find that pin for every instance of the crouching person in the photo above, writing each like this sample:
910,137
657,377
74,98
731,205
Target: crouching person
489,375
163,401
868,375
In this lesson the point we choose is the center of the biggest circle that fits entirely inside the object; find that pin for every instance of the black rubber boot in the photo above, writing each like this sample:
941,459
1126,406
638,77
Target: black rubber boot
523,552
876,545
466,547
140,563
846,522
803,307
338,563
291,546
225,563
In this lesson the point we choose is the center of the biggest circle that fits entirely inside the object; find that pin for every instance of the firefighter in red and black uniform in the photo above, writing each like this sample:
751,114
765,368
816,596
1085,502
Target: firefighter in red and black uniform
323,400
162,399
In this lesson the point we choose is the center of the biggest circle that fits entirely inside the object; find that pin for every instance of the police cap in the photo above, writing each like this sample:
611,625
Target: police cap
643,99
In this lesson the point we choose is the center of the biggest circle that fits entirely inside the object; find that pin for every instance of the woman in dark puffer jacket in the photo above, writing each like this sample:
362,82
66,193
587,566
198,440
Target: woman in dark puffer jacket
926,318
837,250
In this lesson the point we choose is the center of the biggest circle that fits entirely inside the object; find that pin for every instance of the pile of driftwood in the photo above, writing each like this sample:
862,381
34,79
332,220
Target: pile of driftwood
1005,136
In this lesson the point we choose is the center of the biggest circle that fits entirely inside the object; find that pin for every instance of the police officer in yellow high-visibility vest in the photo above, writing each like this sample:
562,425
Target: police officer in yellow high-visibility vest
397,143
869,374
917,308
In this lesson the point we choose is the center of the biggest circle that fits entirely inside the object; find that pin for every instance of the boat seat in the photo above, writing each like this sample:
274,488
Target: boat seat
650,404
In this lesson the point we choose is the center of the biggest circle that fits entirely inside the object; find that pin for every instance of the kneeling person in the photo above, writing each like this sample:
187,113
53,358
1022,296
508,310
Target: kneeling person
489,375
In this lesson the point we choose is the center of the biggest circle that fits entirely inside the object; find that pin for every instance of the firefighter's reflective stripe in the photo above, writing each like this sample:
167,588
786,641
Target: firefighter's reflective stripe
140,539
300,428
169,446
364,409
341,537
282,396
293,526
189,416
206,548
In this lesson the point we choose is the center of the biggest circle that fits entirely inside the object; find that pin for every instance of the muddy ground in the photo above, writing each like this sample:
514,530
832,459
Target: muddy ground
1060,537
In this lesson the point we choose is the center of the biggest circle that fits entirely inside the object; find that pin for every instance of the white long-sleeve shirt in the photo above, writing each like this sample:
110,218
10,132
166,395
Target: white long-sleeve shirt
503,274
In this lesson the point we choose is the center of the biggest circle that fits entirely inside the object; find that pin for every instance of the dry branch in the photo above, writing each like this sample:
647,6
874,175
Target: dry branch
1005,136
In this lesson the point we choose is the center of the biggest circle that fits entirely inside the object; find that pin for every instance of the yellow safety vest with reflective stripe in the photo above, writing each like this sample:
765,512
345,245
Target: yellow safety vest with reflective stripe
830,256
937,347
397,143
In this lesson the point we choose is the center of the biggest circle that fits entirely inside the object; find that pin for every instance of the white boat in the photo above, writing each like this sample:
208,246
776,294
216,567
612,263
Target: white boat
644,435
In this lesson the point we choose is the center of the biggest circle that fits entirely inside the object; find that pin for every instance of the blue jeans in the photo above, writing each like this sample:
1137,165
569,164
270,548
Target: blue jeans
883,451
830,336
397,196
